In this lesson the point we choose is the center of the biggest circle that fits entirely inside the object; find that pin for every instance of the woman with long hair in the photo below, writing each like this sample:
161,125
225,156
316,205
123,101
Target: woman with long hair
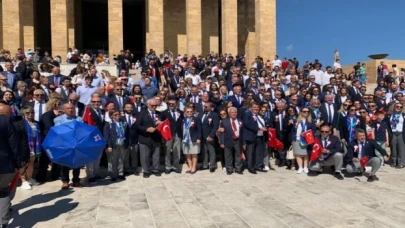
300,147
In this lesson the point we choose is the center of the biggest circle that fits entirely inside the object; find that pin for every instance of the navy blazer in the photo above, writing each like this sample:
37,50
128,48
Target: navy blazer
292,136
195,129
52,79
175,126
226,137
235,102
370,147
209,128
333,144
111,136
250,128
142,108
113,98
324,112
130,133
344,131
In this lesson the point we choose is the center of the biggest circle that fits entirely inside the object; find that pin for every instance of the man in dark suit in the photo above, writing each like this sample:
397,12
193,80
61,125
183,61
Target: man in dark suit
56,78
38,104
280,124
332,153
231,140
236,98
149,138
210,125
354,91
94,116
45,124
328,109
138,105
254,127
117,98
132,147
175,80
361,147
12,157
173,147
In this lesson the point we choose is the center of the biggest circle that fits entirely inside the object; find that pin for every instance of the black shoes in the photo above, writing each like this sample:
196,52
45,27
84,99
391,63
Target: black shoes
158,174
229,172
204,168
176,170
252,171
239,172
146,175
168,171
338,176
113,179
370,179
399,167
92,180
261,170
122,177
212,170
376,178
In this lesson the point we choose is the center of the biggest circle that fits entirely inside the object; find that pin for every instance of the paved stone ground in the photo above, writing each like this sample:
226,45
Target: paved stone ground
280,198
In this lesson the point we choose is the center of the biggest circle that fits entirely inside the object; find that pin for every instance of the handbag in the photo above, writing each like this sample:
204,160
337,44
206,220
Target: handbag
290,154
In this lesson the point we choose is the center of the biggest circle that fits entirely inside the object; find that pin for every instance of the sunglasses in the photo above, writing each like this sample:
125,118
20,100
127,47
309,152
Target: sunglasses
73,100
398,107
362,112
118,89
170,103
323,132
95,101
304,111
153,106
371,106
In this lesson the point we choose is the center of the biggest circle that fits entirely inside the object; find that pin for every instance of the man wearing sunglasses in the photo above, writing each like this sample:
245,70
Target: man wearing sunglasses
332,153
38,104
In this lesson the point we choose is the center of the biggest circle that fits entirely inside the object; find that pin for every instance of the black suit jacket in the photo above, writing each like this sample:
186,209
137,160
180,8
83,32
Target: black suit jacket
23,138
370,147
353,95
81,108
344,131
136,111
324,112
11,154
113,98
130,133
111,136
52,79
175,126
226,137
333,144
142,123
46,122
210,124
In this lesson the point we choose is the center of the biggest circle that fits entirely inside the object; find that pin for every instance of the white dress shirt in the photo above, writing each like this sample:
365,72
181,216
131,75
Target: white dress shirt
37,117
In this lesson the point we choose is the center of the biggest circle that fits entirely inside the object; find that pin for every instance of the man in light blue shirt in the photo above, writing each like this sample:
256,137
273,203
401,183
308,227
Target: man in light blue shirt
86,90
97,80
69,115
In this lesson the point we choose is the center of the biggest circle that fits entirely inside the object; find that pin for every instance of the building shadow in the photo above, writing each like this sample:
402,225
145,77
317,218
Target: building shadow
33,216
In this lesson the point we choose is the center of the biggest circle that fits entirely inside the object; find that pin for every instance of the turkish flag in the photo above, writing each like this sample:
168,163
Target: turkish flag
272,137
363,161
309,137
14,182
87,117
382,110
164,129
316,150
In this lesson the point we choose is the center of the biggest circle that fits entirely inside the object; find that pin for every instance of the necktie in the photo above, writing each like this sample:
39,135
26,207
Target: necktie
195,99
330,114
99,114
362,149
40,110
324,142
174,115
234,128
56,80
205,115
120,103
281,121
129,120
153,117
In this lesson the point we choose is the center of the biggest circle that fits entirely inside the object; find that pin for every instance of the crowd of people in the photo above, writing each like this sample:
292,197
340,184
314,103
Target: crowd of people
220,109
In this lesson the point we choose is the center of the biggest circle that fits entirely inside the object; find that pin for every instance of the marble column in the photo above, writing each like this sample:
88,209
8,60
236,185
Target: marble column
59,28
27,24
265,25
194,27
209,23
1,25
71,23
229,34
12,31
115,27
154,26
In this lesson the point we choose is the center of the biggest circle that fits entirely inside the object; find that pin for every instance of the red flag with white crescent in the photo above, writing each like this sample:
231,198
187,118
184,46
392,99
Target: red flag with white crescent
316,150
87,117
164,129
272,142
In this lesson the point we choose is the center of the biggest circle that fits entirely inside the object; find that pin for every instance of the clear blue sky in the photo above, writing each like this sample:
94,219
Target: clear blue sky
310,29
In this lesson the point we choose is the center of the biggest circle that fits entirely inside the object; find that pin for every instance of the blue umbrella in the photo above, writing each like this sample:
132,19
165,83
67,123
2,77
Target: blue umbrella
74,144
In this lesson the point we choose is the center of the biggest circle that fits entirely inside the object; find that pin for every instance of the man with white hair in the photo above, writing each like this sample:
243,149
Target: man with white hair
149,138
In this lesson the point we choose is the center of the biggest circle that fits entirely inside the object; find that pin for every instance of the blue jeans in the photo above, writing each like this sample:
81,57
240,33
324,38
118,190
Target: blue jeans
362,78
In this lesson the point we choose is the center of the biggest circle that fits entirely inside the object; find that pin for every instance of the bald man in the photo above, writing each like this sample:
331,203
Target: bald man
11,158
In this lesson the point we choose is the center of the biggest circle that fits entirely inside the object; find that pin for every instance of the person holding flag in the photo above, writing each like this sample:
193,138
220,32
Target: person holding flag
331,153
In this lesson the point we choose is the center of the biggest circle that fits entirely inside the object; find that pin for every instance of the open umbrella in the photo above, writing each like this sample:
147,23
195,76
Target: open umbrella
74,144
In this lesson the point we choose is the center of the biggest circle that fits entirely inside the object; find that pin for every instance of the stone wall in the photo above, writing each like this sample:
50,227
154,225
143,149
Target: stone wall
209,20
175,35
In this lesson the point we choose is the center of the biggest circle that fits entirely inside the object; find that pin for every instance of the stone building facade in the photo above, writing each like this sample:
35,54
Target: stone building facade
182,26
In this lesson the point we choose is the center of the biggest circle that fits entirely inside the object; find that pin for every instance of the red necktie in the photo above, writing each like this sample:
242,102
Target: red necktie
234,128
56,81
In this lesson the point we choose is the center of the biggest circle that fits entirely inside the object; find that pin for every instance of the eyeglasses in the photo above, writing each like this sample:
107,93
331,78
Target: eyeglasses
38,95
137,98
398,106
294,99
153,106
324,132
371,106
73,100
95,101
304,111
29,113
189,111
362,112
118,89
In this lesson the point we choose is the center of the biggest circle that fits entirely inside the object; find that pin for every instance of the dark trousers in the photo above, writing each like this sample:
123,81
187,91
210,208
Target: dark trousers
43,168
5,180
65,175
255,153
230,152
146,152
